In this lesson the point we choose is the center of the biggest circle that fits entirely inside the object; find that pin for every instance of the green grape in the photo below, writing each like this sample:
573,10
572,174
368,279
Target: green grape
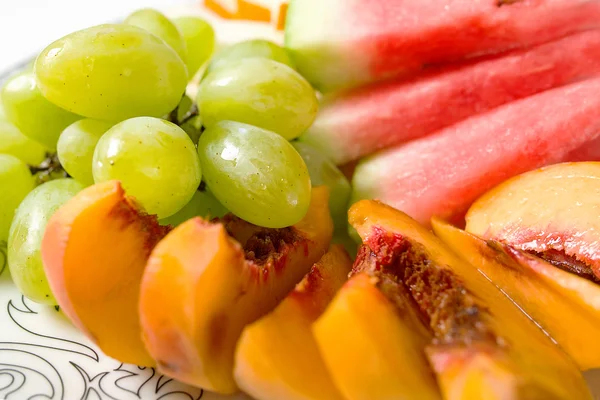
13,142
158,24
76,148
203,204
255,173
324,172
155,161
259,92
15,182
2,112
26,233
112,72
199,37
35,116
247,49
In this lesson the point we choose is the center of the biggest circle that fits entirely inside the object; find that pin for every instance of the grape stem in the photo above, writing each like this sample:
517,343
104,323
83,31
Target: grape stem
193,112
48,169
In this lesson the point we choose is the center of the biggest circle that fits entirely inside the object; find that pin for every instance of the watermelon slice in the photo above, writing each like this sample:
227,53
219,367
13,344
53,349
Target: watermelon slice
378,116
343,43
441,175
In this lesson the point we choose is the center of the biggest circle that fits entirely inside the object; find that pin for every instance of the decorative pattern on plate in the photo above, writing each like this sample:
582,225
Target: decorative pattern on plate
43,357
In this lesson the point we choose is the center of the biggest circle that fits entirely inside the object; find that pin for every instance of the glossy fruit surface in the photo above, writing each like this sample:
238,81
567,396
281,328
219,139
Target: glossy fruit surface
155,160
32,113
26,233
112,72
255,173
260,92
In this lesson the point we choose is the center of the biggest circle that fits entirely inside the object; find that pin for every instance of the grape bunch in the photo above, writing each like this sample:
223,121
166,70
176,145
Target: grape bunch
112,102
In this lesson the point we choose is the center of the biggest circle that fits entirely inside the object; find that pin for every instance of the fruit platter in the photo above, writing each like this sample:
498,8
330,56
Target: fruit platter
328,200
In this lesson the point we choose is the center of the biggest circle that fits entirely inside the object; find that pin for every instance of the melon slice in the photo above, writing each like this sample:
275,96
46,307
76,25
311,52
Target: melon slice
441,175
365,120
344,43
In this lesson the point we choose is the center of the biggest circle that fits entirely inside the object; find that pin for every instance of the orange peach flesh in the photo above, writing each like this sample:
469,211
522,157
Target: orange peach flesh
94,251
277,356
476,372
170,296
552,211
201,288
463,308
563,304
372,346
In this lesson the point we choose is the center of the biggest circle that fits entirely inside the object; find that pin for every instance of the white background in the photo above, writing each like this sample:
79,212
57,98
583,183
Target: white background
27,26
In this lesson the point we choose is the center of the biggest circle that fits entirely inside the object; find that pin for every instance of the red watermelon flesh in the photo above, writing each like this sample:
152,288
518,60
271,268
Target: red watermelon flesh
356,124
344,43
441,175
588,152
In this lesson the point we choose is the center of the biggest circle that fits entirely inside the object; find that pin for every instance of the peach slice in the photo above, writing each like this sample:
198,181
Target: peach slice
564,305
373,342
201,288
484,346
277,356
553,212
94,252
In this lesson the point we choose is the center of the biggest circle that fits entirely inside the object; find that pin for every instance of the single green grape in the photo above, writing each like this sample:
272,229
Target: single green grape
158,24
76,146
255,173
2,112
324,172
154,159
199,37
13,142
248,49
15,182
112,72
29,111
259,92
203,204
26,233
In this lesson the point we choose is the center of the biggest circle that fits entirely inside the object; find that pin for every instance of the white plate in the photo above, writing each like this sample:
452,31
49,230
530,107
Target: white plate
44,357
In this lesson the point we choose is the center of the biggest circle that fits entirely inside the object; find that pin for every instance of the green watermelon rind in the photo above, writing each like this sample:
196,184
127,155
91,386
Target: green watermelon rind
322,66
